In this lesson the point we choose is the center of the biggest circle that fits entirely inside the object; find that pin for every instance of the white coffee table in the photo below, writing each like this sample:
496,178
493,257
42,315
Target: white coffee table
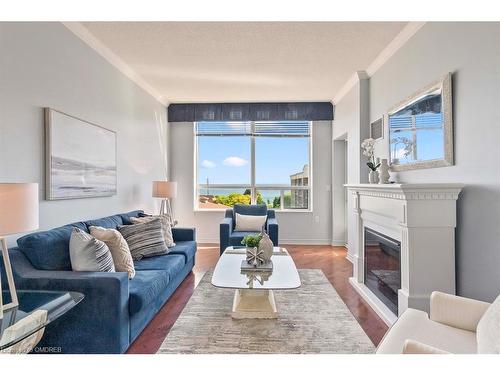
253,297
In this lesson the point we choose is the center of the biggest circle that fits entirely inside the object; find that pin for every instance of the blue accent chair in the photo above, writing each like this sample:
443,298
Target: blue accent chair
230,237
115,309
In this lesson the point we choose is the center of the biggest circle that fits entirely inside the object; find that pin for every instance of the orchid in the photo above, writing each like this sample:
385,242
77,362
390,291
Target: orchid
368,146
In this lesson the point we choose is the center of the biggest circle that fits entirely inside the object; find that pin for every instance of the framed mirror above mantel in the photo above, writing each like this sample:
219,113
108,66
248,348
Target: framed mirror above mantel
421,128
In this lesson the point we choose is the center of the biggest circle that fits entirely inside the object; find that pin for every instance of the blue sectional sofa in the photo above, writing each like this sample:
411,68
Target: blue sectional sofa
115,309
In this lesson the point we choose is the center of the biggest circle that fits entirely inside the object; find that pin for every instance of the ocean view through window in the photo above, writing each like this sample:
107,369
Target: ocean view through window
262,162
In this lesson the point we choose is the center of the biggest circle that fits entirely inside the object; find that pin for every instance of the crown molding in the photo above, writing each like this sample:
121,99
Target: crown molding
85,35
399,41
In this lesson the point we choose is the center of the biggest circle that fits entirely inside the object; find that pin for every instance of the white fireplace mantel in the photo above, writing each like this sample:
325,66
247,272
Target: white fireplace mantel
423,218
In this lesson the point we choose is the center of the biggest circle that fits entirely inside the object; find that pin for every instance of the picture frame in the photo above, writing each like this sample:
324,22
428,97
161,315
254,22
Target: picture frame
423,126
80,158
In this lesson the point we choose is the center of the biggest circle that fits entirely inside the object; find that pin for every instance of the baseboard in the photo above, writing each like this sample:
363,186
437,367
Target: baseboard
208,240
350,257
290,241
338,243
283,241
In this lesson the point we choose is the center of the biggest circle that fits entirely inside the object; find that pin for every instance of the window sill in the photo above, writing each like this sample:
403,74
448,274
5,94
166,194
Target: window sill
196,210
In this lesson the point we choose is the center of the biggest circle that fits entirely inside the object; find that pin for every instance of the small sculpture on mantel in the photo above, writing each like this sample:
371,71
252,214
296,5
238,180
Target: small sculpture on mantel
383,172
265,246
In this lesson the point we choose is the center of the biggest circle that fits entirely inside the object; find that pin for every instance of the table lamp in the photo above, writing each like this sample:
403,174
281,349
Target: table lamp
18,213
165,190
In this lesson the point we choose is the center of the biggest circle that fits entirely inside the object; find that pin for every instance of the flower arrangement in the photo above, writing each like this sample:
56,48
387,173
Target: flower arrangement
251,240
368,146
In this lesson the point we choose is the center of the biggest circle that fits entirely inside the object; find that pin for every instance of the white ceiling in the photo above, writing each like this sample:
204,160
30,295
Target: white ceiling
245,61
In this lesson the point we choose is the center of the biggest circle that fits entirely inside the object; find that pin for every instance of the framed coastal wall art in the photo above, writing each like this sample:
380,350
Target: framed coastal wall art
80,158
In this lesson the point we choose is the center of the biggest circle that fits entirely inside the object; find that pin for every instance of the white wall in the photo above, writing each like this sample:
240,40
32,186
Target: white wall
295,227
471,51
45,65
339,193
351,123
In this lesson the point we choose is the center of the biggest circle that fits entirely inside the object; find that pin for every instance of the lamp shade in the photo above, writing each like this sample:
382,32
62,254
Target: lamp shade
164,189
18,208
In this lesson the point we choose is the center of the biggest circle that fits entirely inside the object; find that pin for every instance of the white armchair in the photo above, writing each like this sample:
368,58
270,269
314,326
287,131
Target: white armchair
455,325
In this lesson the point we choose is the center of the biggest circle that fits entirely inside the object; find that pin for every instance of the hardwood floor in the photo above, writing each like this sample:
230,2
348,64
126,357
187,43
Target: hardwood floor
331,260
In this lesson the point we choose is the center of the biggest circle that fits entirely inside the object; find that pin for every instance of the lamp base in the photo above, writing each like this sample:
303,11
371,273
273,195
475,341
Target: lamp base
10,279
166,209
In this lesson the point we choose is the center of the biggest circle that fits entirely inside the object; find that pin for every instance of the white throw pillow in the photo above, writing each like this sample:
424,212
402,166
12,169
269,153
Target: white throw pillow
87,253
249,223
118,247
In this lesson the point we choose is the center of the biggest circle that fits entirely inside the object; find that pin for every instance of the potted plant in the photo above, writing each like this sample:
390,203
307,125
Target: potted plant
251,240
252,244
368,146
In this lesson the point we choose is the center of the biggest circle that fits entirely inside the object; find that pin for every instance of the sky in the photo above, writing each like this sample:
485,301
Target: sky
226,160
81,141
430,141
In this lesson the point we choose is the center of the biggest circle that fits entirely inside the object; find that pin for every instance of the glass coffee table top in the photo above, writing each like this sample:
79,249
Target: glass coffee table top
35,311
228,273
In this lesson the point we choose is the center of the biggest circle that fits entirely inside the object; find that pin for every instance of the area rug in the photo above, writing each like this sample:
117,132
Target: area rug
312,319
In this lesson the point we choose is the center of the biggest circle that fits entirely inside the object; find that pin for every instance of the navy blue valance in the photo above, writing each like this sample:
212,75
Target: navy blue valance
299,111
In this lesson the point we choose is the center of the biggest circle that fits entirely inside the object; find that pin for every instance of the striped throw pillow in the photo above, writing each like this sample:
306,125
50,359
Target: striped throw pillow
145,239
87,253
165,225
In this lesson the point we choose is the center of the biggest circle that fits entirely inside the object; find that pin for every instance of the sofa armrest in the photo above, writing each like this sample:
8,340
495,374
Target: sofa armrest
184,234
272,230
416,347
227,225
455,311
98,324
225,230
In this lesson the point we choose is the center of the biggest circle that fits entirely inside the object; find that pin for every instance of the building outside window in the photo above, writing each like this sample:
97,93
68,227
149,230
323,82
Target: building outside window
253,162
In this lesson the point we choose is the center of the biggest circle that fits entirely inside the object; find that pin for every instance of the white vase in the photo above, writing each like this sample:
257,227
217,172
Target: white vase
373,177
393,179
266,247
383,172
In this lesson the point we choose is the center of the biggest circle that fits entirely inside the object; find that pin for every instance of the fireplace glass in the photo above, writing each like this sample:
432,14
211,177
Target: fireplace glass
382,267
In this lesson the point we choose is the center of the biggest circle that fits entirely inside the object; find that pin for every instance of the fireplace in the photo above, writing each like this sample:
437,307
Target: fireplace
383,267
410,232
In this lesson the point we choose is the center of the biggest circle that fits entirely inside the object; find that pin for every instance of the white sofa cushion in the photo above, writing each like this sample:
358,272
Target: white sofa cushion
415,347
416,325
249,223
488,330
455,311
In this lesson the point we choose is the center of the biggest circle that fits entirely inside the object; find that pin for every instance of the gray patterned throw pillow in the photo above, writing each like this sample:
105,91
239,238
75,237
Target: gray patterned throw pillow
165,225
87,253
145,239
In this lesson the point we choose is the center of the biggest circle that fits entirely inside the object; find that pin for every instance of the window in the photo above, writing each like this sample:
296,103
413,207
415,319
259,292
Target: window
253,162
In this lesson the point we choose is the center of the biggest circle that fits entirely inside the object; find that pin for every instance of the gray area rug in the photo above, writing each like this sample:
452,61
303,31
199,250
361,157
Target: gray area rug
312,319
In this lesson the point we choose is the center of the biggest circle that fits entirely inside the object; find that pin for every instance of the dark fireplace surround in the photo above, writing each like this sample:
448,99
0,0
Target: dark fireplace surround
383,267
